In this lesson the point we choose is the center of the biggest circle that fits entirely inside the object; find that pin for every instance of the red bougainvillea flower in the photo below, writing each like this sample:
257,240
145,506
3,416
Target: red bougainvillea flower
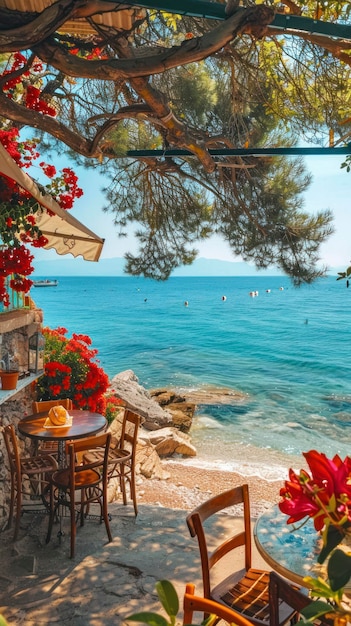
49,170
40,242
71,370
18,224
31,219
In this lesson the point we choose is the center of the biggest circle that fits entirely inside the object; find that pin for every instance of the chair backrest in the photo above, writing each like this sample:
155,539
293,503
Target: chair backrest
129,432
192,603
82,445
46,405
12,448
196,519
281,590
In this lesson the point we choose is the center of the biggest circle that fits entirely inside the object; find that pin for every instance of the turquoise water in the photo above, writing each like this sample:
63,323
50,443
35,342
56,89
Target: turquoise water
287,350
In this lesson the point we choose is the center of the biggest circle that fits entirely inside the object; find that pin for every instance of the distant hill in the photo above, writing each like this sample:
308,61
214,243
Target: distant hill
69,266
65,266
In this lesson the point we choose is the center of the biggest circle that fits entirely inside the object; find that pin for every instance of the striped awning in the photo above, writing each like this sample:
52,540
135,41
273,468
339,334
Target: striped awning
64,232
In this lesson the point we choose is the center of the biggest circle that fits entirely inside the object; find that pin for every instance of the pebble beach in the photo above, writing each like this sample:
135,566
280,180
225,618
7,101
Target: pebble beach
188,486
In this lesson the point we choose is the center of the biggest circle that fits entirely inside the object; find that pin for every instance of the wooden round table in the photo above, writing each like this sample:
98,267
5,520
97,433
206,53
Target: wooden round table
84,424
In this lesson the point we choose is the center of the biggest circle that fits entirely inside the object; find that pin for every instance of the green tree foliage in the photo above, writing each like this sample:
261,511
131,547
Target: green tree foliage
181,82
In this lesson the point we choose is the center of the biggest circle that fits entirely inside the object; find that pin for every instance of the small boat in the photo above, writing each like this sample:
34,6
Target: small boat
45,283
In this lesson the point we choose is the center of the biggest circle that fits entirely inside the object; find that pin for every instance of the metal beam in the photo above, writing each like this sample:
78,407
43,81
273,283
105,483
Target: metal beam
243,152
216,11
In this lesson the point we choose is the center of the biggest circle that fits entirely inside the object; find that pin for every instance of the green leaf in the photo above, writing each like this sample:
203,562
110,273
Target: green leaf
3,621
318,587
316,609
168,597
339,569
145,617
333,538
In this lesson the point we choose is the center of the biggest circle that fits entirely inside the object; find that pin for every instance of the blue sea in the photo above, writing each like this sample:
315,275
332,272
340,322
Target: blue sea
286,349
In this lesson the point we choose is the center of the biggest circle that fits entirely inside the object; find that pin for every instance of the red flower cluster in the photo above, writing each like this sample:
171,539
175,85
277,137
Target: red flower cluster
18,208
18,61
324,495
15,261
95,53
72,191
33,98
72,371
34,101
49,170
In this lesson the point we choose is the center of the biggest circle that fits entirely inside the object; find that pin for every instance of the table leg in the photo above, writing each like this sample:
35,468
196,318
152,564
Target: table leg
61,498
61,454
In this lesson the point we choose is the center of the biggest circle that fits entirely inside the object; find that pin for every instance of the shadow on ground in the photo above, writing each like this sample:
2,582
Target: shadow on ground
106,582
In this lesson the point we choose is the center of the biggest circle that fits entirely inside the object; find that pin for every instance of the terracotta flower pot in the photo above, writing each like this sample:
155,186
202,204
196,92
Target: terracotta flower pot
9,379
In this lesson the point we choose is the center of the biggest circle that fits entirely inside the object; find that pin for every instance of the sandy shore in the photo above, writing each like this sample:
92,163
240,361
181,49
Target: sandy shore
188,486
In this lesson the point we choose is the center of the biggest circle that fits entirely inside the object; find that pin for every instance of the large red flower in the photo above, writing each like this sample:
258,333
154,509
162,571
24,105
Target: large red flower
331,475
325,495
296,503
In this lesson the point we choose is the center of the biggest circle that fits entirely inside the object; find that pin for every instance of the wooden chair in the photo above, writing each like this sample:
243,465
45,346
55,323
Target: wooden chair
50,447
192,604
121,460
36,469
46,405
281,590
246,590
90,479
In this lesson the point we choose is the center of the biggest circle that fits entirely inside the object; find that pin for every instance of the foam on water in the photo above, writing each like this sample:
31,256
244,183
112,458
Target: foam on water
250,462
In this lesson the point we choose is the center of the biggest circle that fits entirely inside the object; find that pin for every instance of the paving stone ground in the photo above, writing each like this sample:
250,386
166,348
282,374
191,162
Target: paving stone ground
106,582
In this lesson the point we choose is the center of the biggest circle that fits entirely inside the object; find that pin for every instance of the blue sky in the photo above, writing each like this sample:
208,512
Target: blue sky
330,189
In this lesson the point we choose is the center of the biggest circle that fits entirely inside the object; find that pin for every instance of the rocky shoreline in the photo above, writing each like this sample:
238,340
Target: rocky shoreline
164,441
167,417
163,477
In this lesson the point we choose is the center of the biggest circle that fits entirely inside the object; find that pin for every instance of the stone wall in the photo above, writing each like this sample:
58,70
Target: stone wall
15,329
10,413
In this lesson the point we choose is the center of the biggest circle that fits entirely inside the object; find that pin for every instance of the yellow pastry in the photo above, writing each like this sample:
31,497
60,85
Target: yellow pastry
58,415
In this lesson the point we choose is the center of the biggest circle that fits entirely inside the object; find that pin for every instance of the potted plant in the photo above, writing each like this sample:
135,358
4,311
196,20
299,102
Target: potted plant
8,373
